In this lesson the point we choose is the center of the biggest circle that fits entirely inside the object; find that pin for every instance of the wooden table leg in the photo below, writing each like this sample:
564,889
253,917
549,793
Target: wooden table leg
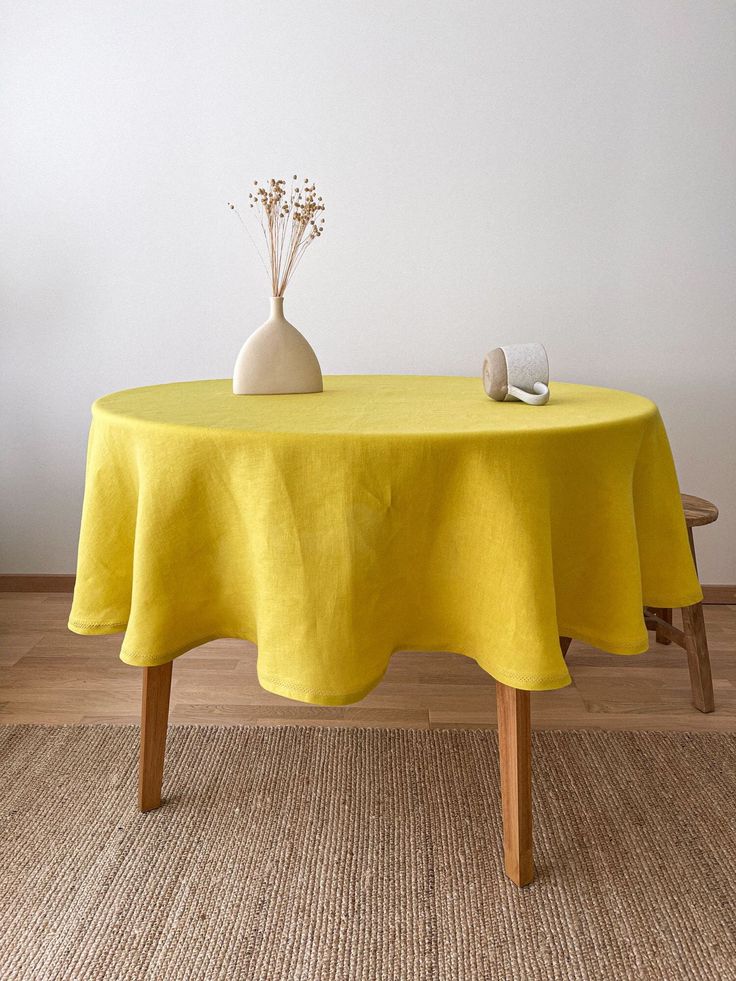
565,645
698,659
514,745
154,719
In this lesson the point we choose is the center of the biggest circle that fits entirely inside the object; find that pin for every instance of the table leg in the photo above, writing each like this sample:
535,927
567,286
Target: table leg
154,719
514,746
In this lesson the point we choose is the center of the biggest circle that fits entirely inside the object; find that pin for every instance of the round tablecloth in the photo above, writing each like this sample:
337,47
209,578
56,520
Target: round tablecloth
387,513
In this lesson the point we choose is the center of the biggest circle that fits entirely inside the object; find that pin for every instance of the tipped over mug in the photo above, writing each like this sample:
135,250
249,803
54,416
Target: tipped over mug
517,372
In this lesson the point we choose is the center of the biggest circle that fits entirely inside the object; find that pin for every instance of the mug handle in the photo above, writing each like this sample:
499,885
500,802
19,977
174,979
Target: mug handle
540,396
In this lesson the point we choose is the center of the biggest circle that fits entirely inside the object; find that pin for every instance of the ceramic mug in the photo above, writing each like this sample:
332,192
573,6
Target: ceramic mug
517,372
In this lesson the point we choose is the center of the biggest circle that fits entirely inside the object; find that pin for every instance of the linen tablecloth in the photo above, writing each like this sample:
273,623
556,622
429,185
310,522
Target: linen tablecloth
387,513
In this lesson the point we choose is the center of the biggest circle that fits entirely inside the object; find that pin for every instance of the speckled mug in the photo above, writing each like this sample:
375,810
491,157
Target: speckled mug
517,372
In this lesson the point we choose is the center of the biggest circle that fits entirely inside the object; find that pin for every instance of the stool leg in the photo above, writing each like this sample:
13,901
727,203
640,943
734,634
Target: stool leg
154,719
692,546
514,747
565,645
666,615
698,659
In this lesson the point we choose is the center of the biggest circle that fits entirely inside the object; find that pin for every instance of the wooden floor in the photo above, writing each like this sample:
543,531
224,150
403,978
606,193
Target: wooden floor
51,676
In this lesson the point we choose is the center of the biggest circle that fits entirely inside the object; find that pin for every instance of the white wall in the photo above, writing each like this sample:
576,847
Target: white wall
494,171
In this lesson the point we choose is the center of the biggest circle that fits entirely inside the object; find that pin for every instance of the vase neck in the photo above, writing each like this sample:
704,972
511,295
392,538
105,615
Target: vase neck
277,307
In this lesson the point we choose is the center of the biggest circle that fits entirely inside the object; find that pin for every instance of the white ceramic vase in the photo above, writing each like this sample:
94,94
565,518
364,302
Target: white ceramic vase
276,359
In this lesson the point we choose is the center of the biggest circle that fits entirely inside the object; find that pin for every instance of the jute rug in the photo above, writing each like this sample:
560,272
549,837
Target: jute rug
304,853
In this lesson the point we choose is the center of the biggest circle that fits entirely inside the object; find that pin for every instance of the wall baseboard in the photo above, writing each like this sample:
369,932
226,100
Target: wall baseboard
10,583
719,594
712,594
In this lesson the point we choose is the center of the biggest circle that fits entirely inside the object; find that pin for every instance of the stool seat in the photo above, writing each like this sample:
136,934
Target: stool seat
698,511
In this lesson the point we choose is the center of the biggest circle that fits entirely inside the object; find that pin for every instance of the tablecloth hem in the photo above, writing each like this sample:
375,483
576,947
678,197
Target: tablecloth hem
89,628
316,696
689,599
139,659
626,647
299,693
640,645
319,696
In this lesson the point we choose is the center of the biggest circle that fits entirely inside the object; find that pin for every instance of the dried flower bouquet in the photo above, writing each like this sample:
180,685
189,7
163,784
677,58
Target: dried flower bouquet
289,220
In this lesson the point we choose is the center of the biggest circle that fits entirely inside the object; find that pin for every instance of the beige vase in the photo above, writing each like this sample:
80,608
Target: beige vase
276,359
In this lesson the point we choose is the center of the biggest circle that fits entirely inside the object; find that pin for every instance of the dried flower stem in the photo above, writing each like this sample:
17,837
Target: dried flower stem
289,221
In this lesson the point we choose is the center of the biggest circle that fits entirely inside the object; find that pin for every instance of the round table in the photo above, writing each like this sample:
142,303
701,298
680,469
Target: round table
386,513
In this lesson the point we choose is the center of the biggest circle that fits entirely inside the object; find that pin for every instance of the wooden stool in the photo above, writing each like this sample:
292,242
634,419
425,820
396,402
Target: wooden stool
692,637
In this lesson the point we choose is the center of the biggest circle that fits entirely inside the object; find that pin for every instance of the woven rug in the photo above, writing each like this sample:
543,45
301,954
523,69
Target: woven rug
307,853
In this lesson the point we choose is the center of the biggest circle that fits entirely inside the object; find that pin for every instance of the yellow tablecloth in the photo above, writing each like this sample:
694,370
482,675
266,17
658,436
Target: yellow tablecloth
388,513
